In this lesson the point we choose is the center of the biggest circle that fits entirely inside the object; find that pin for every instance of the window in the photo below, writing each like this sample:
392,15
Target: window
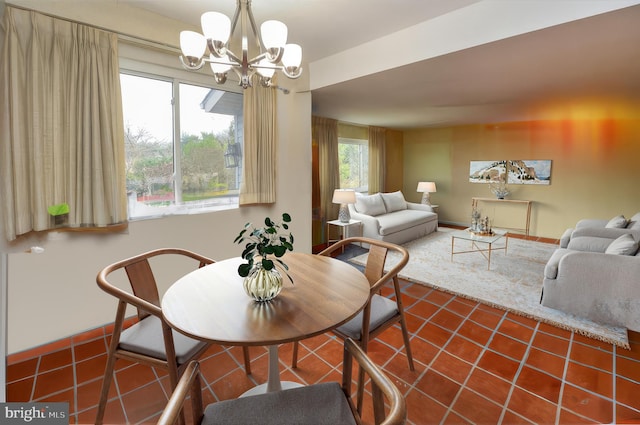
183,145
353,156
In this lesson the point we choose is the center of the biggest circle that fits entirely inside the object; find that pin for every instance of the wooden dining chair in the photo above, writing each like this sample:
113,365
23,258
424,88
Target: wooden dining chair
150,340
323,403
381,312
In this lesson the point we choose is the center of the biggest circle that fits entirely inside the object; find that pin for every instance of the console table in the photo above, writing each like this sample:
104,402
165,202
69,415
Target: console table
527,204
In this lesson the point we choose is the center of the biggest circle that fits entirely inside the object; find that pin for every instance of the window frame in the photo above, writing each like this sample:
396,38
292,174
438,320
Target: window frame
364,159
175,77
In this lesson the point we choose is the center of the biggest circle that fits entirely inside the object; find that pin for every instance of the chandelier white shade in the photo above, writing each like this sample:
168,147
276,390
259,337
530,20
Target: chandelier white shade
213,46
426,188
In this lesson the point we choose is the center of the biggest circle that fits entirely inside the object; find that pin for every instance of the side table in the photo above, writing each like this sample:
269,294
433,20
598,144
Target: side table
344,228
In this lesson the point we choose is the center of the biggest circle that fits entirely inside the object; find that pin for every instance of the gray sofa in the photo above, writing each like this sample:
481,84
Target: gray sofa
596,228
596,274
388,217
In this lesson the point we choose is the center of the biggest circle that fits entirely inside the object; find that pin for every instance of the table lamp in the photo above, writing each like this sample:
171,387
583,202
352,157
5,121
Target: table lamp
344,197
426,188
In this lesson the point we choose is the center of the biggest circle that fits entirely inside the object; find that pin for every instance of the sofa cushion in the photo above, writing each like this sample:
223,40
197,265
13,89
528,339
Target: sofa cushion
401,220
617,222
624,245
634,222
394,201
370,204
589,243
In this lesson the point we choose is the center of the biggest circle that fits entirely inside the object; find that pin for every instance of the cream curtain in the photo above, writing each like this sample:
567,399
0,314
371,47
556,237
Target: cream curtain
325,133
377,141
61,127
260,138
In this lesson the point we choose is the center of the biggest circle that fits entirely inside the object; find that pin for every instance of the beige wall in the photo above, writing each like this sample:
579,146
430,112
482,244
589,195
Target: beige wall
54,294
594,170
394,161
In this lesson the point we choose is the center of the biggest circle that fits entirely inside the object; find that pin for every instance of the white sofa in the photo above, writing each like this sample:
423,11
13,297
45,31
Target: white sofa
388,217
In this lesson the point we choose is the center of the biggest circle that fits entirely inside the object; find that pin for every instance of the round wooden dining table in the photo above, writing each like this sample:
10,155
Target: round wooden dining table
210,304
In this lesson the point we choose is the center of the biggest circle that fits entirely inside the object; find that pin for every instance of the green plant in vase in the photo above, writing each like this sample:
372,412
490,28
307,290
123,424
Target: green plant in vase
264,248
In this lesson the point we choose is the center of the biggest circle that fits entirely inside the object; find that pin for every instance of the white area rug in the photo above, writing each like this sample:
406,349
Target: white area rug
514,282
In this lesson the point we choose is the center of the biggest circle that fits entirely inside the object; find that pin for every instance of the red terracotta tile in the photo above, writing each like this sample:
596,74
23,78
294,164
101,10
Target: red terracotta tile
551,343
66,396
581,339
233,384
134,377
539,383
531,406
439,387
144,402
439,298
423,309
524,321
413,322
93,368
554,330
627,393
421,409
475,332
587,404
476,408
515,419
452,367
463,348
460,307
485,318
20,390
53,381
423,351
88,335
89,394
55,360
498,365
516,330
590,379
508,347
417,290
591,356
435,334
489,386
569,418
38,351
550,363
447,320
21,370
90,349
624,415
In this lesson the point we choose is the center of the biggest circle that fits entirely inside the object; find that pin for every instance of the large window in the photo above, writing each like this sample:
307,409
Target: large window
353,155
182,146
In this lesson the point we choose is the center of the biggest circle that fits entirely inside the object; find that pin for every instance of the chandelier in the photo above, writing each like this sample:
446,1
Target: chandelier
214,47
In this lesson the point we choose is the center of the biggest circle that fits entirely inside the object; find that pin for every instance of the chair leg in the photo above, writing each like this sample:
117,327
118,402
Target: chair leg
106,385
407,343
247,360
294,360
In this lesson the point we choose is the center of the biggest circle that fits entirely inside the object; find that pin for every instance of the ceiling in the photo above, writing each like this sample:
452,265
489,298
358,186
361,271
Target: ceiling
520,77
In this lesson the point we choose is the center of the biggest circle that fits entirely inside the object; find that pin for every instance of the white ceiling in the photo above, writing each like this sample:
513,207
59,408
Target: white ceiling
593,59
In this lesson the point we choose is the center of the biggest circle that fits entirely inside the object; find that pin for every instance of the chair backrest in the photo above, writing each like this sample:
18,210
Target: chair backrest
383,391
375,266
144,296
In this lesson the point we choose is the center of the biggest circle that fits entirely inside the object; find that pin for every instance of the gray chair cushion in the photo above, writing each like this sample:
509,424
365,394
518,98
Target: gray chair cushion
382,309
589,243
624,245
145,337
321,404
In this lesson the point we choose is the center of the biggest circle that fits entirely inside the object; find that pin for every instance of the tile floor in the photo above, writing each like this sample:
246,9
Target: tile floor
474,364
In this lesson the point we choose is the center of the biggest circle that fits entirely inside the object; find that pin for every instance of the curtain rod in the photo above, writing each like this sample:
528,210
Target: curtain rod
122,36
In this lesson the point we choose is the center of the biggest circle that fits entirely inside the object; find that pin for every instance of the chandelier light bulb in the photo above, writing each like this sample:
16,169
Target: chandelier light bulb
292,57
274,34
216,26
265,68
219,67
192,44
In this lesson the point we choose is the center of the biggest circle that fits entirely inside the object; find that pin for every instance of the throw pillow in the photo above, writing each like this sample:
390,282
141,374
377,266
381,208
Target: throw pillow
634,222
624,245
617,222
394,201
370,205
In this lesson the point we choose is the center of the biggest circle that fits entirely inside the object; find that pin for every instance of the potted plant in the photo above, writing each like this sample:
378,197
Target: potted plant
264,248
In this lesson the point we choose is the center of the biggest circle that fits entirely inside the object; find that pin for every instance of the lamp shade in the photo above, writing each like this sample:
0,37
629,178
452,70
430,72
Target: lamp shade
428,187
192,44
216,26
274,34
344,196
292,57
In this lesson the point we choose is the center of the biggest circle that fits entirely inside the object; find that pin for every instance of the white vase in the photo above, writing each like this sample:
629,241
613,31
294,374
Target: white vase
261,284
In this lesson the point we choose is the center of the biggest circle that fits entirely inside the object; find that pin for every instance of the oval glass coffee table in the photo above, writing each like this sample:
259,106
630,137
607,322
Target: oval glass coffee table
484,244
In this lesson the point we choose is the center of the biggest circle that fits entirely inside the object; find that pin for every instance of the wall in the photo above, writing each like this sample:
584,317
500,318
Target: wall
394,159
594,151
54,294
